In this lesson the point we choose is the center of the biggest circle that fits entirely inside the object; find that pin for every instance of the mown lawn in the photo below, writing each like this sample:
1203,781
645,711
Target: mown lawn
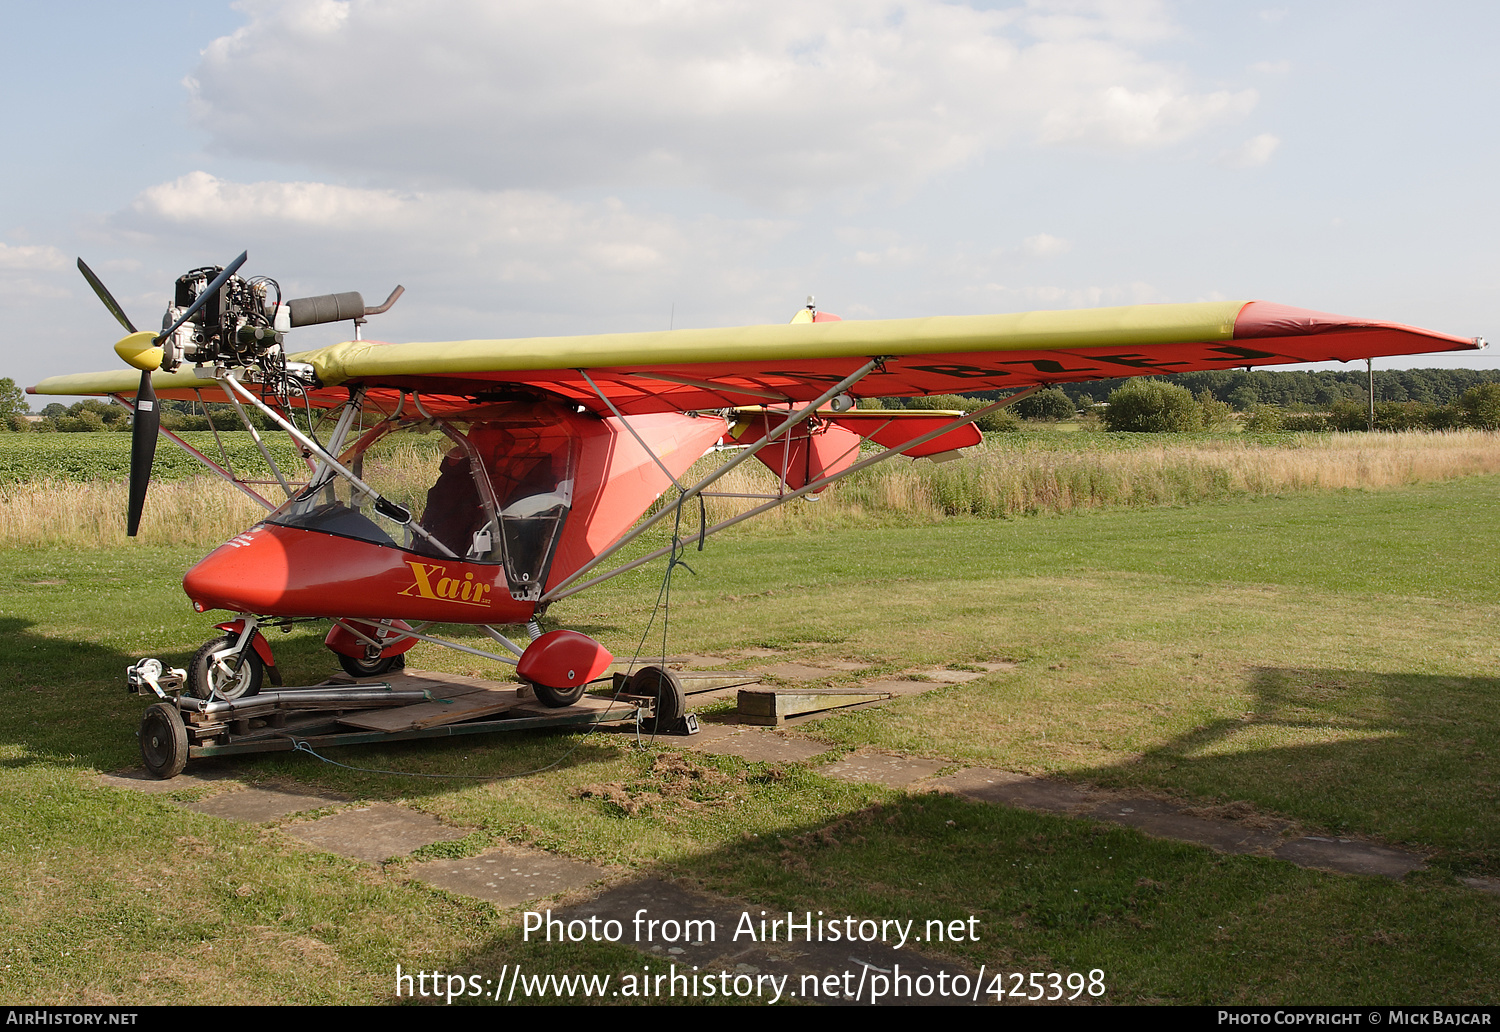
1327,659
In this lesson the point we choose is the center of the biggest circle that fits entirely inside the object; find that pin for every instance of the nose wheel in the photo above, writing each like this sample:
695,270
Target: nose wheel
218,672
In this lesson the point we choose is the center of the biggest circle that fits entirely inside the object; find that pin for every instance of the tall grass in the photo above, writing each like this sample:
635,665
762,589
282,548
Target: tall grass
87,514
1006,478
1054,473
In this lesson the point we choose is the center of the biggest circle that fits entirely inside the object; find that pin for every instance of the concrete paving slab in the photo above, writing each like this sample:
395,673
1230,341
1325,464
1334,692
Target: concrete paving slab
694,929
140,780
750,743
693,661
1164,820
951,676
882,769
1011,789
1351,856
1490,885
509,875
374,832
711,730
997,665
262,804
899,688
802,671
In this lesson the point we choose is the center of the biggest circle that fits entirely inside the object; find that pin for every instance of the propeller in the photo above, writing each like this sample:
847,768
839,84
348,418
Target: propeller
143,350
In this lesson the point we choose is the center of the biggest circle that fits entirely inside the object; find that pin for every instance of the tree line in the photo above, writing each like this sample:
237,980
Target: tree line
93,414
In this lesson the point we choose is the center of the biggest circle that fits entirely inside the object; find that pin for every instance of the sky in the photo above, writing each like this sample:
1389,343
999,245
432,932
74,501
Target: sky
570,166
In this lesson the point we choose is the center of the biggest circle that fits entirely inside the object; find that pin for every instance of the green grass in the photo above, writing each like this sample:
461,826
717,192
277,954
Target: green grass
1328,659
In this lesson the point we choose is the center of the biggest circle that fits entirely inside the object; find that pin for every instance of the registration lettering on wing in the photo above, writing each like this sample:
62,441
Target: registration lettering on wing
436,581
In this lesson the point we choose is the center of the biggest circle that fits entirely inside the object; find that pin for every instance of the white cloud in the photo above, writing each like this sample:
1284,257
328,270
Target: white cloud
205,200
26,290
1045,245
32,274
1126,118
465,253
771,99
895,255
520,233
1054,297
31,256
1253,152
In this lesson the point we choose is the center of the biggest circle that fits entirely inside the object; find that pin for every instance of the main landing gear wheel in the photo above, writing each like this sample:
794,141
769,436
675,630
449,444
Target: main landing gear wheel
356,667
164,743
665,689
557,698
217,673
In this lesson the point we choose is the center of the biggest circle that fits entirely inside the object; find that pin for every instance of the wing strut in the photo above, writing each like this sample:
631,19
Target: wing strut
226,474
563,590
640,528
403,634
254,433
618,415
385,507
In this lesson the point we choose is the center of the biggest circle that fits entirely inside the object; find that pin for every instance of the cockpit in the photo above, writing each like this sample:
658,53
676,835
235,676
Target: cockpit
494,487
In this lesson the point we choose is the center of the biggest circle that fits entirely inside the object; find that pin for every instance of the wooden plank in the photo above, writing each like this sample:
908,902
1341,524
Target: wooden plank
466,706
771,706
695,682
442,686
588,704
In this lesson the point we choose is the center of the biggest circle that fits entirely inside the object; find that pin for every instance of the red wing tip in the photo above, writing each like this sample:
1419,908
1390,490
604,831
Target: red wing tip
1265,319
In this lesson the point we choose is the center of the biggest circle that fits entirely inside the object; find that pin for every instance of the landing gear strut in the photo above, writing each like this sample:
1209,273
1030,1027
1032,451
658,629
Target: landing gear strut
218,672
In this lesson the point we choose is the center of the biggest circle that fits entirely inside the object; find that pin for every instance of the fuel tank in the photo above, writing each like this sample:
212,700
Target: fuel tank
288,571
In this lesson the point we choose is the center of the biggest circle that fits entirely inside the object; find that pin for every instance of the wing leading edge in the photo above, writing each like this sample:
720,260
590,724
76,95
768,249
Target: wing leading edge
713,368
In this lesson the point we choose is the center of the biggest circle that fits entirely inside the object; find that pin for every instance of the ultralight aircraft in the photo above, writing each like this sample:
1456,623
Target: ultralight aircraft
528,463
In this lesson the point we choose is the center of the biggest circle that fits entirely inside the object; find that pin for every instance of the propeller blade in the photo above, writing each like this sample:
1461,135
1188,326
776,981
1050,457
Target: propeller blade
208,292
142,450
105,296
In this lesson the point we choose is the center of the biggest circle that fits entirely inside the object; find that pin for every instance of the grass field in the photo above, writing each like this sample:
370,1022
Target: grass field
1325,657
63,490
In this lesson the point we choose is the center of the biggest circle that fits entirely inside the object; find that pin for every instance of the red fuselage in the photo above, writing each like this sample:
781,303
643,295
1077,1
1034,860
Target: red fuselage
286,571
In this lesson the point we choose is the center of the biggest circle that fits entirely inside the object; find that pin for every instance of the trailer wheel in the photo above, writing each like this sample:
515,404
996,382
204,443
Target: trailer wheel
356,667
164,744
228,677
665,688
557,698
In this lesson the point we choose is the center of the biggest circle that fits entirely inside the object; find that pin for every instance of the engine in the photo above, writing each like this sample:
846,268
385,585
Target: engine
244,324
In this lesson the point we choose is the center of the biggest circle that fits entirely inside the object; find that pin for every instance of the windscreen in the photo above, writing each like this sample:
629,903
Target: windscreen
485,490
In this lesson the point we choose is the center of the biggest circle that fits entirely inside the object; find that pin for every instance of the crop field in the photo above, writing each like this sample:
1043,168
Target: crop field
1288,640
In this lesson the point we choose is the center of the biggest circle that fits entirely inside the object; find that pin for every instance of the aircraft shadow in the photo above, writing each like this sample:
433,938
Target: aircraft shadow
1405,757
